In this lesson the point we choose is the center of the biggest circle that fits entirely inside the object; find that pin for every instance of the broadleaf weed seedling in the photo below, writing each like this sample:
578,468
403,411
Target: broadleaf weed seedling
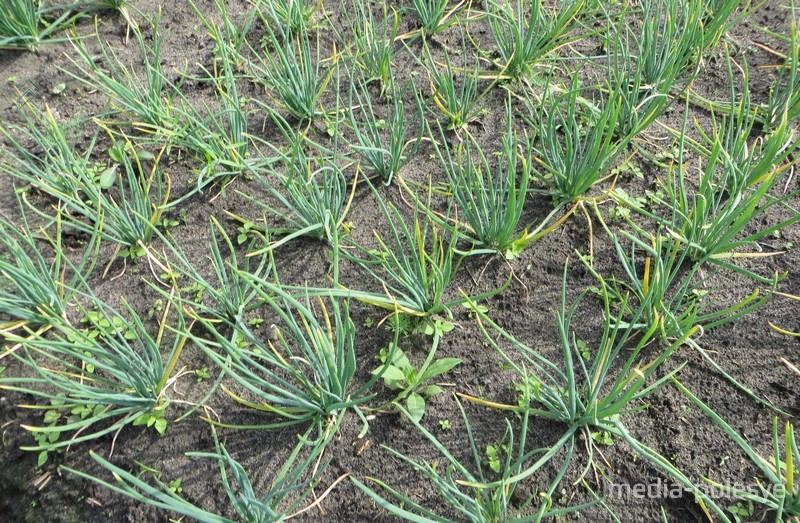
398,373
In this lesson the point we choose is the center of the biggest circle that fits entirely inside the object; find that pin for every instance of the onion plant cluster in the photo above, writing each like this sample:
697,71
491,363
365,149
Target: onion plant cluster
310,185
597,390
227,296
302,372
83,189
577,144
28,23
34,291
715,222
784,100
384,145
654,59
524,35
491,202
465,487
289,490
460,102
97,379
372,47
291,69
141,93
414,266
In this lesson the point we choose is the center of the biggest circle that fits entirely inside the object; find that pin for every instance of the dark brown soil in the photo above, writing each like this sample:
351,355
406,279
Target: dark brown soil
748,349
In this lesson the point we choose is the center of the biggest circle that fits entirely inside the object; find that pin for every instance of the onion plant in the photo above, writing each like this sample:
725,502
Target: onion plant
303,372
287,492
126,216
225,297
433,15
219,138
581,393
715,220
415,267
780,494
142,92
464,488
312,191
577,149
672,299
780,329
294,78
315,201
123,7
99,379
718,18
383,144
459,103
24,24
672,303
784,97
666,51
523,41
292,15
33,290
649,61
372,44
489,201
593,394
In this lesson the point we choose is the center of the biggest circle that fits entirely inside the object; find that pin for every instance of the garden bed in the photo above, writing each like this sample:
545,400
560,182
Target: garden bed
215,150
